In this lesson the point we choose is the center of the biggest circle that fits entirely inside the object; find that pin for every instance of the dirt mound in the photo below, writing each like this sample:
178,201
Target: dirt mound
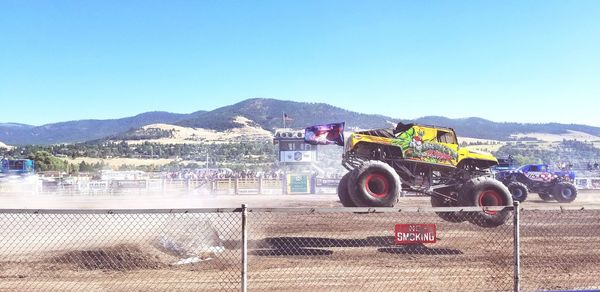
122,257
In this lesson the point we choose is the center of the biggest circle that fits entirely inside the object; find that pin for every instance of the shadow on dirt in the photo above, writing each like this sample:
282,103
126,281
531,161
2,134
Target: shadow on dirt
314,246
291,252
419,249
300,242
311,246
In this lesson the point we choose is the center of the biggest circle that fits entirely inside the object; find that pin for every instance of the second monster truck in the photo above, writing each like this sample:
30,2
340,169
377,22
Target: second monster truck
425,159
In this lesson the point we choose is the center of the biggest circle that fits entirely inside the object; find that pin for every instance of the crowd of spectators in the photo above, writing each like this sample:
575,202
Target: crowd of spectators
221,173
224,173
593,166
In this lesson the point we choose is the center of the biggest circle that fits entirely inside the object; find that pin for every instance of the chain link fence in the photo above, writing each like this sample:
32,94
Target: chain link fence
345,249
560,249
76,250
356,251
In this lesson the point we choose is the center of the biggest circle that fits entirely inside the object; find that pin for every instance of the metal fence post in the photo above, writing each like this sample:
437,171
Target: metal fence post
517,248
284,184
244,249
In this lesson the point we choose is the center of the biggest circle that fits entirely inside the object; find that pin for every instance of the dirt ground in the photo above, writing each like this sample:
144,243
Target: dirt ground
139,200
288,251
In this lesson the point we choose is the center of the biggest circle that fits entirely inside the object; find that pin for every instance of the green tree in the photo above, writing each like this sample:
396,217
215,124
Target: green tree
45,161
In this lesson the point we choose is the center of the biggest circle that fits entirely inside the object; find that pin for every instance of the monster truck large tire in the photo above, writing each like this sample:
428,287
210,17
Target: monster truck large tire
374,184
482,192
546,197
564,192
342,191
518,191
454,217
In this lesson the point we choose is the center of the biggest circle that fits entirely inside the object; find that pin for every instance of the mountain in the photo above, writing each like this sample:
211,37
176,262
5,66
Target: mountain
82,130
172,134
485,129
15,126
268,114
11,132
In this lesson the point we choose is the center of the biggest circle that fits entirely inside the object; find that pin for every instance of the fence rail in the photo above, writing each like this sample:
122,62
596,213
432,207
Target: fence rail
290,249
235,186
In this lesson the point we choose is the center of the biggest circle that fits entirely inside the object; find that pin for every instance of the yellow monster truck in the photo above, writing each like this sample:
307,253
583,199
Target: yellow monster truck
425,159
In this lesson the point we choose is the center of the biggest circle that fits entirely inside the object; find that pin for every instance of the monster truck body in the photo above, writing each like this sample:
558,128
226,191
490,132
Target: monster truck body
425,159
504,165
539,178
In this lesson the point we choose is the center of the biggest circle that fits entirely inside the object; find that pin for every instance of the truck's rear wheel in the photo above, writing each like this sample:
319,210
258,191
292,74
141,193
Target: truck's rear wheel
564,192
485,192
518,191
342,191
454,217
374,184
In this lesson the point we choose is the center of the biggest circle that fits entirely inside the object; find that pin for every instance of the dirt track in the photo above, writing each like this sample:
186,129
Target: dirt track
297,251
194,200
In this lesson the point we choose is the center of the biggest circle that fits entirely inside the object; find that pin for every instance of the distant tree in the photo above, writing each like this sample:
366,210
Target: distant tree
45,161
84,167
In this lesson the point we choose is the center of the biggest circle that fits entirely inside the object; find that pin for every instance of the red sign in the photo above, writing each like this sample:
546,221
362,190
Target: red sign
414,233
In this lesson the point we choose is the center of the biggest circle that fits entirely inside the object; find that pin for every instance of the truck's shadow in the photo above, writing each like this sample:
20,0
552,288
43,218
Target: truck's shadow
419,249
318,246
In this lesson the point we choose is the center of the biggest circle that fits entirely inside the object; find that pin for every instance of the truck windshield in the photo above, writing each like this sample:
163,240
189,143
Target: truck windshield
446,137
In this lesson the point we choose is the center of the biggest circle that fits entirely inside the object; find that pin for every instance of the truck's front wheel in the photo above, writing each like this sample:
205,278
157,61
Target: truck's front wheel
374,184
485,192
564,192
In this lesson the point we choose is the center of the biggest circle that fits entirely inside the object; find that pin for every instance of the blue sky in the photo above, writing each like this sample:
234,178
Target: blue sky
524,61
